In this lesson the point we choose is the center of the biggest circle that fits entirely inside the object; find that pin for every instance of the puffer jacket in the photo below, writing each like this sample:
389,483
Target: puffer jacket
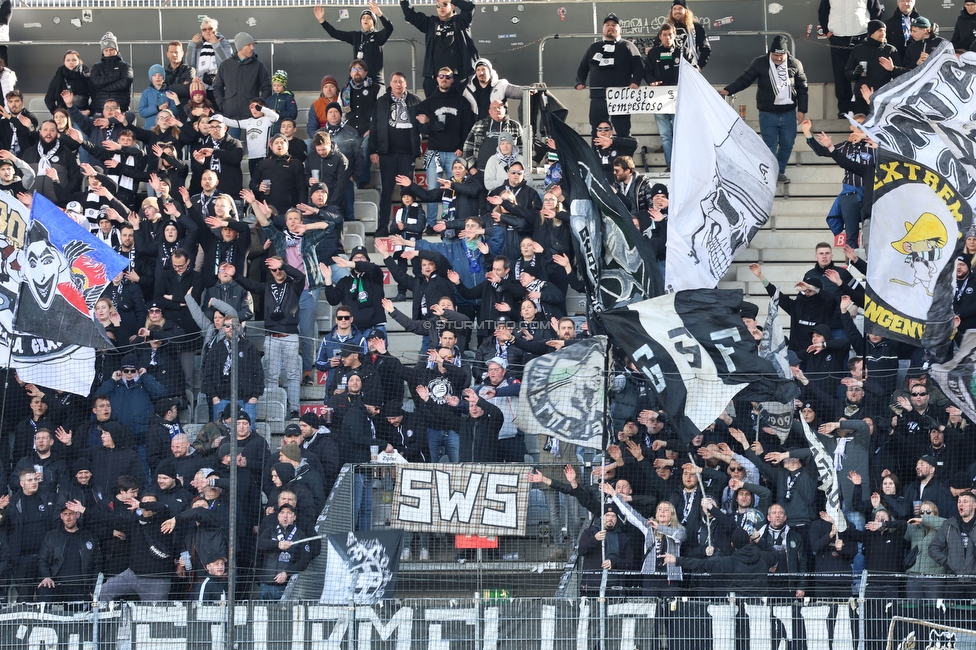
111,78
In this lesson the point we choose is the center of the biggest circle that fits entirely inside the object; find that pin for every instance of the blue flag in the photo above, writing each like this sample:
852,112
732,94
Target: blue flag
65,270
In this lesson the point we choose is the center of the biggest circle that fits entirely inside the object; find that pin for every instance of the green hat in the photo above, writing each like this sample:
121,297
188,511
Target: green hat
281,77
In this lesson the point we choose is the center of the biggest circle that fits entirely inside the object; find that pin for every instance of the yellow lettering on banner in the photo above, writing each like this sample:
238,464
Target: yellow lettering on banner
912,171
932,180
892,321
954,210
891,174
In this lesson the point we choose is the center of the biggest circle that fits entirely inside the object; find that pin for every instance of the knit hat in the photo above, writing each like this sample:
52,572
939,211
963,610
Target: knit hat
739,538
778,46
683,3
84,465
875,25
224,450
242,40
823,330
922,22
197,88
373,396
291,452
748,309
311,419
392,409
483,62
318,187
285,472
349,348
166,467
156,69
329,79
277,136
367,12
130,361
331,105
280,77
659,188
109,41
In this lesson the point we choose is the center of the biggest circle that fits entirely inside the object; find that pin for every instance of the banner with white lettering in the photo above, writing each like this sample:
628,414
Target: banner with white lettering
644,99
480,500
489,621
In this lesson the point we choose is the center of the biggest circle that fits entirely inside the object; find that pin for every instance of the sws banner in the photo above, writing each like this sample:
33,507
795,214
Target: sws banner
482,500
413,624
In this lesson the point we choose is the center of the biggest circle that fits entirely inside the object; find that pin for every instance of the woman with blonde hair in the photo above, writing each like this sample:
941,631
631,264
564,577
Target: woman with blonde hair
920,532
689,34
662,535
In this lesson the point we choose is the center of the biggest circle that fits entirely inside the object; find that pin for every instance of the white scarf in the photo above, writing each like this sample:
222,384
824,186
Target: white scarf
780,79
44,163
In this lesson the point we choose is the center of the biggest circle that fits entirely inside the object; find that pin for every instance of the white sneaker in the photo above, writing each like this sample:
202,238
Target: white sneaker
405,555
424,555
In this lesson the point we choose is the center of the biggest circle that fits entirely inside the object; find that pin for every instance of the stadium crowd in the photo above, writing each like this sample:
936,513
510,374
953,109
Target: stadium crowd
113,483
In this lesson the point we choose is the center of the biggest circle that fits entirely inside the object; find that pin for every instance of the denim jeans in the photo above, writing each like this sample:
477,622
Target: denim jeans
665,126
779,133
349,209
363,500
443,442
446,159
271,592
250,409
308,307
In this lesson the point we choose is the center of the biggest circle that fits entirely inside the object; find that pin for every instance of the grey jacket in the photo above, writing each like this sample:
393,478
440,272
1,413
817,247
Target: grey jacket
948,551
922,536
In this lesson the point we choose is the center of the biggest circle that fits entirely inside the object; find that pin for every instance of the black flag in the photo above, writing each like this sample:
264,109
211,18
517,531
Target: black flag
693,347
617,263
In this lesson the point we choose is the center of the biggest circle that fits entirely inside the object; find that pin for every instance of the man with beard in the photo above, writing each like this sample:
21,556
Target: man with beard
51,159
68,562
282,557
222,154
964,303
31,515
604,547
280,178
612,62
394,140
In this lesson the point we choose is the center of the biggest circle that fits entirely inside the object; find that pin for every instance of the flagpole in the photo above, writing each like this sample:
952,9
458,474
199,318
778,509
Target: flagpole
603,479
232,532
701,488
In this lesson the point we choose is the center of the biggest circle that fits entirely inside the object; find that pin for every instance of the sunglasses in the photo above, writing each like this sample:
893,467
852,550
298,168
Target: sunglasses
737,469
155,311
517,172
128,371
355,67
445,76
926,512
918,394
343,317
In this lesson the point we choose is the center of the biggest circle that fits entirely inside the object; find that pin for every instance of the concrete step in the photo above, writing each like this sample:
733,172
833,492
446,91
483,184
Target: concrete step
812,189
800,239
816,174
801,206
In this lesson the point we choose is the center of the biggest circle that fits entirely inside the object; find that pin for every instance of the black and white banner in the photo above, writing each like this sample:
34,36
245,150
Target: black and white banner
957,378
362,567
772,347
697,353
563,394
917,219
414,624
616,262
722,187
925,189
481,500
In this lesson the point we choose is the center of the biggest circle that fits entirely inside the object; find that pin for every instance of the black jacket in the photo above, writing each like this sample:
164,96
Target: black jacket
292,561
77,81
625,67
367,46
237,83
964,32
379,124
896,35
870,51
280,317
745,571
288,184
178,79
175,285
214,383
467,50
226,162
366,311
50,558
662,64
450,120
111,78
334,171
478,436
793,561
914,51
758,72
357,435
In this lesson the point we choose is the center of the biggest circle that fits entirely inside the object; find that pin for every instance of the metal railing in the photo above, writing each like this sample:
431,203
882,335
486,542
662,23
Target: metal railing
274,43
555,37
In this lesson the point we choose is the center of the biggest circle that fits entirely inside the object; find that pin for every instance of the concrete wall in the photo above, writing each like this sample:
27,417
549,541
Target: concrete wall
506,32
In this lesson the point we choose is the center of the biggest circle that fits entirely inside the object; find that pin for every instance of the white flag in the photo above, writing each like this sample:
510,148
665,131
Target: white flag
724,181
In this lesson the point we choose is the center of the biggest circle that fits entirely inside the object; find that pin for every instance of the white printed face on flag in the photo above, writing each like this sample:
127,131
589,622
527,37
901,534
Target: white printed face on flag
722,190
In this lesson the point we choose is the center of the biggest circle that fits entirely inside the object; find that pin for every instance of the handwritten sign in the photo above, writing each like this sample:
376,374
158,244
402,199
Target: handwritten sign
646,99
